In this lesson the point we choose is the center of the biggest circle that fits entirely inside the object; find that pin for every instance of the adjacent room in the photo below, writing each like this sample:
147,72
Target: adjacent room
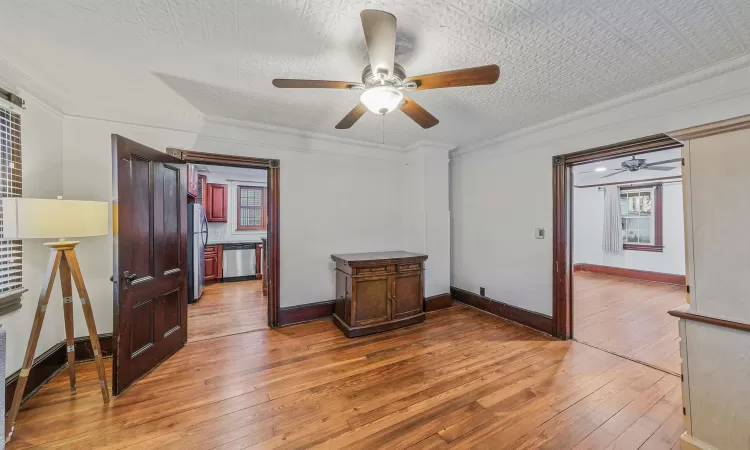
490,224
227,231
629,256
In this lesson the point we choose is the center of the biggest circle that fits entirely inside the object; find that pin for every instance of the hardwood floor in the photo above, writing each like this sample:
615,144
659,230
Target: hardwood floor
462,379
628,317
226,309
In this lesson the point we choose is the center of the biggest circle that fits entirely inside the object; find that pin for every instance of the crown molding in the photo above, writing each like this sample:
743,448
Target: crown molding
17,79
711,129
708,73
432,144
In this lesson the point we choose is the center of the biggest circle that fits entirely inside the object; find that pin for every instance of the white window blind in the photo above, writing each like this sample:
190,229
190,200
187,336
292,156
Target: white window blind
10,186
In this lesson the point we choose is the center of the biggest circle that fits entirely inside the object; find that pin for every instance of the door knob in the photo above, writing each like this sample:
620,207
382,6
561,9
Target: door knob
129,277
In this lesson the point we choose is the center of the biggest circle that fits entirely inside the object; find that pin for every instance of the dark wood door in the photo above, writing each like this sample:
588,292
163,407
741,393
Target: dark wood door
370,300
150,259
407,295
218,197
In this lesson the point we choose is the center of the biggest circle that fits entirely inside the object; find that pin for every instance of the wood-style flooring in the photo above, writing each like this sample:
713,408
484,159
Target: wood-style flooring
628,317
462,379
225,309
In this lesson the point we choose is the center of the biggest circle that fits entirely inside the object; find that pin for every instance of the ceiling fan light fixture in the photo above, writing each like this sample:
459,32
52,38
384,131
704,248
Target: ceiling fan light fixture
381,99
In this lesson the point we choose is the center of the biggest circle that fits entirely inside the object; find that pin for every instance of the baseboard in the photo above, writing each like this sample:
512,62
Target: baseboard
306,313
438,302
50,363
657,277
523,316
688,442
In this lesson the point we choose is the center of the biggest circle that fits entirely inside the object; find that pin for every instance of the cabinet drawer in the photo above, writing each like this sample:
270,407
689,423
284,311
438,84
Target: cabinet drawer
372,270
211,249
402,267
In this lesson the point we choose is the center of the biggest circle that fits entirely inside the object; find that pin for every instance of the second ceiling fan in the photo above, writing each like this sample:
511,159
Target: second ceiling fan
384,81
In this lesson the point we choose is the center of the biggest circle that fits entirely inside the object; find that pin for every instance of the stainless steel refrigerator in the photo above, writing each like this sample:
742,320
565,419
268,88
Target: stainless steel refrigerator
197,239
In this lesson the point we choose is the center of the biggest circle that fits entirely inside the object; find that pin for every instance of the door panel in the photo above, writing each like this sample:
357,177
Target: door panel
150,259
372,304
407,296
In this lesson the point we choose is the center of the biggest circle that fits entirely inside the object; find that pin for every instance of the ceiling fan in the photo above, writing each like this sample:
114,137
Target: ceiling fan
635,164
384,81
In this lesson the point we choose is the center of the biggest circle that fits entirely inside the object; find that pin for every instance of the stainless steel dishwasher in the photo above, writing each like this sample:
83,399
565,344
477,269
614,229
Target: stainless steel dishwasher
238,262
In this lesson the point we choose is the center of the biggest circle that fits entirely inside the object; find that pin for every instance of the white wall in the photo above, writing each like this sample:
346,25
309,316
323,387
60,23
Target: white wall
501,192
343,199
220,232
588,216
41,139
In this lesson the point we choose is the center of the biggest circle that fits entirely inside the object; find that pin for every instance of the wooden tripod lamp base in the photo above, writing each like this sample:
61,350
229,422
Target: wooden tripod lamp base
63,259
38,218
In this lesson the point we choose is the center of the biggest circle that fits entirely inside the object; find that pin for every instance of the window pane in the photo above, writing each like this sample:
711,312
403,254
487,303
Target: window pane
644,231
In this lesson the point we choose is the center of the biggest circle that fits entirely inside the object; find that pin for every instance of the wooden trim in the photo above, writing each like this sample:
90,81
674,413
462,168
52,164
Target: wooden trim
438,302
525,317
683,312
710,129
306,313
51,362
562,186
629,183
274,200
625,148
656,277
357,331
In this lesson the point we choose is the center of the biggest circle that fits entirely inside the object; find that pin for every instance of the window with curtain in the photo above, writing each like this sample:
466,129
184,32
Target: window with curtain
640,208
251,208
10,186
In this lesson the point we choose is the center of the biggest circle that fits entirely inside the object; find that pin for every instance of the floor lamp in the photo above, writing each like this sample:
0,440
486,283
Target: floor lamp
29,218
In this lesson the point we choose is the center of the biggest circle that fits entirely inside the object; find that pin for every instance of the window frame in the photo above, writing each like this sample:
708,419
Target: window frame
658,245
10,297
263,209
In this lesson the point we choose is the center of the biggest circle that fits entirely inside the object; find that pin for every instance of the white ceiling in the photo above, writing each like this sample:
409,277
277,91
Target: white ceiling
182,58
585,174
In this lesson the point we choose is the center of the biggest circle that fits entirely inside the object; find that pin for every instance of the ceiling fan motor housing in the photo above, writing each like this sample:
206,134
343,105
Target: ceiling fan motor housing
634,164
370,79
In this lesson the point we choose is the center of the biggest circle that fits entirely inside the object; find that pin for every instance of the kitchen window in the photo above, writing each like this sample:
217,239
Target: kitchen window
641,211
251,208
10,186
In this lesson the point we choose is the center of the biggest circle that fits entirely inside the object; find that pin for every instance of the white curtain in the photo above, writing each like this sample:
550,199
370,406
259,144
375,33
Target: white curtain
612,233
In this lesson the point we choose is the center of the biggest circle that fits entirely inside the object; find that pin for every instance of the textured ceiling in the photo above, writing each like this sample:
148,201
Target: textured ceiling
217,57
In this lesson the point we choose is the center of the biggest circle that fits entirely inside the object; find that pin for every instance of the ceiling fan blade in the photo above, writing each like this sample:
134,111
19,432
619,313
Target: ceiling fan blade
614,173
418,114
320,84
474,76
351,117
668,161
657,168
380,36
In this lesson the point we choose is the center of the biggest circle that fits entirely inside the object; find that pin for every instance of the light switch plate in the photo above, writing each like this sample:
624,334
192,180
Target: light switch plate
539,233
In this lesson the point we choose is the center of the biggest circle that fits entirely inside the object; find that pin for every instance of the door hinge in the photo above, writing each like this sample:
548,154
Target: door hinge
684,411
683,161
687,288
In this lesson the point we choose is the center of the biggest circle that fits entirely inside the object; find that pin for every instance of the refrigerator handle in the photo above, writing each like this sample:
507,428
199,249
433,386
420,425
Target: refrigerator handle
204,232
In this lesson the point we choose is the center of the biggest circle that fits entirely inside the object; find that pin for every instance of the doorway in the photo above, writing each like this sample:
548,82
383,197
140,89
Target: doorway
227,218
628,253
622,308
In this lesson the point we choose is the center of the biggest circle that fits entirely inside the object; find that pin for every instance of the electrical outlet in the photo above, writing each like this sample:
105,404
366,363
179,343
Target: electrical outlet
481,291
539,233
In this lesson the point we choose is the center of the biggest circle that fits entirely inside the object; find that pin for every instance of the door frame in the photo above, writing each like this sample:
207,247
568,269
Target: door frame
273,167
562,221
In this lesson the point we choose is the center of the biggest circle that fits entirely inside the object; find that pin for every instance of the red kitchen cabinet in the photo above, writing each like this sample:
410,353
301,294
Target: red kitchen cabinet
216,198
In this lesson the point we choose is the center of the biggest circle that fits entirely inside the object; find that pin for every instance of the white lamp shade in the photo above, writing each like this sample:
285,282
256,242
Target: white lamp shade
30,218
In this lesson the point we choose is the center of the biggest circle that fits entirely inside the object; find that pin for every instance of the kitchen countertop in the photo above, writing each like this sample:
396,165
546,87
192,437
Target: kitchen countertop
234,242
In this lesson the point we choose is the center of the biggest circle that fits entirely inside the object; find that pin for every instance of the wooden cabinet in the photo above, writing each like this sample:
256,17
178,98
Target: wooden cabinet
216,200
212,258
192,180
378,291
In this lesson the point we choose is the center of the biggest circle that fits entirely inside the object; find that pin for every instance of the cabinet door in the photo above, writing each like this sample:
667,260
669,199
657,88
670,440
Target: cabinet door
212,267
216,202
407,295
370,302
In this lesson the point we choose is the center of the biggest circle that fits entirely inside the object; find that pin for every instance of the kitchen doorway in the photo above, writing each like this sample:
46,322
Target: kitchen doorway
235,219
227,237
